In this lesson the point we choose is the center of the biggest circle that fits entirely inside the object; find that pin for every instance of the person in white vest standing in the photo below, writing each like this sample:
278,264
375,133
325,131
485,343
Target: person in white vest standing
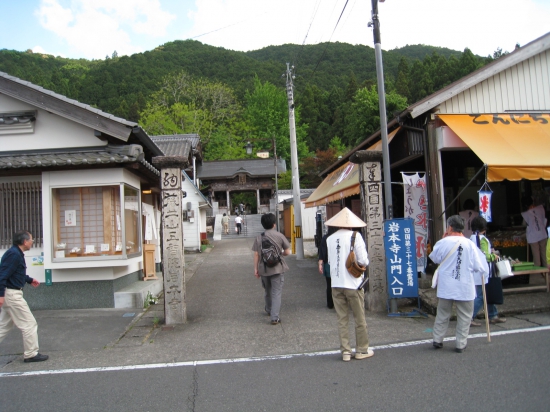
458,258
536,234
346,292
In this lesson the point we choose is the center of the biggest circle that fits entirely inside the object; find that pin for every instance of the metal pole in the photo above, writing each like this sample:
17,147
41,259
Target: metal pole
382,109
383,122
276,183
294,166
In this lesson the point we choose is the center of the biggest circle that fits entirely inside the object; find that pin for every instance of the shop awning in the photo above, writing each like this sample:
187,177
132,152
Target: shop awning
514,146
343,182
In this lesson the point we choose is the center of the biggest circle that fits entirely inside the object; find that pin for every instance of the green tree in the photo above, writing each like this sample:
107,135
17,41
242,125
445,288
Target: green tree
285,180
402,81
266,113
365,115
186,104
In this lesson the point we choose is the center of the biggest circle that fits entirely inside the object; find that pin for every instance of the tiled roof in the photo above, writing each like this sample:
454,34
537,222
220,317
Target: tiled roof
228,168
66,99
88,156
177,144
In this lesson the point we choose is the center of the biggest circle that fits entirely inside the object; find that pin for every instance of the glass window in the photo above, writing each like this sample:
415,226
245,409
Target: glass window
87,222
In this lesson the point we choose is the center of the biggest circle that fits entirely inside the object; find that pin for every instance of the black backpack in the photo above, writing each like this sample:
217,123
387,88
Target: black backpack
269,252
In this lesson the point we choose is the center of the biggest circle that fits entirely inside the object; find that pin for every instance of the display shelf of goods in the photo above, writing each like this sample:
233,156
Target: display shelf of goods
508,239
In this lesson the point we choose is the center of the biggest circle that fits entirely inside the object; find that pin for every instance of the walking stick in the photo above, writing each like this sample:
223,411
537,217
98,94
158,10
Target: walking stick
485,308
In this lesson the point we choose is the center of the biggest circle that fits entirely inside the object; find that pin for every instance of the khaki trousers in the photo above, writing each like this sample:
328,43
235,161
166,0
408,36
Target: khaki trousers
356,300
464,312
539,253
15,311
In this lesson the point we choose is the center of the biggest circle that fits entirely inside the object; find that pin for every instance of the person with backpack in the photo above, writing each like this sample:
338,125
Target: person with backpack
346,290
269,265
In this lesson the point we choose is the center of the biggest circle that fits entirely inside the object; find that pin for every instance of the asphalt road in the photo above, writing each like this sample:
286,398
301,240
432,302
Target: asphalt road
510,374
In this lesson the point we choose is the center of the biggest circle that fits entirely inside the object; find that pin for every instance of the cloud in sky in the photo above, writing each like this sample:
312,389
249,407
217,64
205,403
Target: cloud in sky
91,27
94,28
481,26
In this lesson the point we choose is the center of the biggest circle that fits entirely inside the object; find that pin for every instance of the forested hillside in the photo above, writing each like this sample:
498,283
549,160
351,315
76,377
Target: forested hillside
231,97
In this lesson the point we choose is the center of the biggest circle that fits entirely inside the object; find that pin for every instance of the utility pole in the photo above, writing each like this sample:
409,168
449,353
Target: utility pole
294,165
382,107
276,182
383,121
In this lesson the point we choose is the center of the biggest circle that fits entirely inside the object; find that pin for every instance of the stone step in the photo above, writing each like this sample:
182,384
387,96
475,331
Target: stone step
133,296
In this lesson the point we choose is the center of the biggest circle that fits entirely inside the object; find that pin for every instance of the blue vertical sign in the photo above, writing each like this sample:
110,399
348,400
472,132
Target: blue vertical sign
400,247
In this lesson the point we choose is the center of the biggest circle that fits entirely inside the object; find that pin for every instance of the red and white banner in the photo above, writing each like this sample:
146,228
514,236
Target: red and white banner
416,207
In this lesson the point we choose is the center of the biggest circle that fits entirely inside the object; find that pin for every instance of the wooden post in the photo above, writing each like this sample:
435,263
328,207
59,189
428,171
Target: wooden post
175,310
372,212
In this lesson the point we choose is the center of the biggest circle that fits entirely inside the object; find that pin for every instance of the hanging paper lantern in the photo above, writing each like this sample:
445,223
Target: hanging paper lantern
485,205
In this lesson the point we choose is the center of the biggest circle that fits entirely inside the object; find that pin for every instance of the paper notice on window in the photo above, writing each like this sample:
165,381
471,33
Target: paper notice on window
90,249
104,247
70,217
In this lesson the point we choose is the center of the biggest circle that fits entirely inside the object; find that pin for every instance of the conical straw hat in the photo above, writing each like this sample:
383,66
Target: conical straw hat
345,218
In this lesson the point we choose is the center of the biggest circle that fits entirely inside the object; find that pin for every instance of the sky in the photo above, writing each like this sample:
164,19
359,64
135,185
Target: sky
94,29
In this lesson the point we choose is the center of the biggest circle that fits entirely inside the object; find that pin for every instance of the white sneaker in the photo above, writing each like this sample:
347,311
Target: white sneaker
361,355
346,356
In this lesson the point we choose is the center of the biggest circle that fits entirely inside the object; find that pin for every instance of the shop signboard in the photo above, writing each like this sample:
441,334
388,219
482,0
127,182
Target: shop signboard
400,246
416,207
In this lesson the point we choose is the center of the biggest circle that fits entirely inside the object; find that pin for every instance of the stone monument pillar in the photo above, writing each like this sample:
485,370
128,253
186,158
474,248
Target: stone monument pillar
175,311
372,211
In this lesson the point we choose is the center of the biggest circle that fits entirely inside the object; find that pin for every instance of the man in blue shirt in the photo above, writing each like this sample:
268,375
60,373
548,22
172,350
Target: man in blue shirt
14,310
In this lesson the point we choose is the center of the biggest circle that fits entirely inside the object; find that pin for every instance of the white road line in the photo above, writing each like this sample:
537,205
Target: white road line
256,359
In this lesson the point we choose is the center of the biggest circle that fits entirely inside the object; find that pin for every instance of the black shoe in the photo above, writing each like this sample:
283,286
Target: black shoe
460,350
438,345
276,321
37,358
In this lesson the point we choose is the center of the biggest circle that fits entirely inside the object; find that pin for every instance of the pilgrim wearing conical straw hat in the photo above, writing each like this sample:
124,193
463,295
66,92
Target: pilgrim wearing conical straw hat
345,218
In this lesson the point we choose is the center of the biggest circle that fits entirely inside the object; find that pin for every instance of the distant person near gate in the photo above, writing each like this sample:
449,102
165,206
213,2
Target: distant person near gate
238,224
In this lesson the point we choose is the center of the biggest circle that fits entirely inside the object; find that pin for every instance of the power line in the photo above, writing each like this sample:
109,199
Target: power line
308,29
225,27
325,49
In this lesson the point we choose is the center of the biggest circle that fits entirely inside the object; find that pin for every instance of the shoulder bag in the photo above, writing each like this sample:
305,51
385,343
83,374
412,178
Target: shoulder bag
435,277
493,288
352,266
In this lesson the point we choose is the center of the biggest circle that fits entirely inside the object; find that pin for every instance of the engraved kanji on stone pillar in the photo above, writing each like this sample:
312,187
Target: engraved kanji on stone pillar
175,310
370,179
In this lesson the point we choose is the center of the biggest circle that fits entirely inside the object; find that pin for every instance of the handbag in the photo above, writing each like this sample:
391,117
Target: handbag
504,269
435,277
236,229
493,288
352,266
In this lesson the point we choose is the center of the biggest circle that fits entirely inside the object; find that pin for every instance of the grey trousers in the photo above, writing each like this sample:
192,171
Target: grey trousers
273,290
464,311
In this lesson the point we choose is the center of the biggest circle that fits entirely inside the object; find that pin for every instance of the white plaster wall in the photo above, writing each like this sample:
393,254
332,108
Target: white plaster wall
191,237
308,222
50,130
